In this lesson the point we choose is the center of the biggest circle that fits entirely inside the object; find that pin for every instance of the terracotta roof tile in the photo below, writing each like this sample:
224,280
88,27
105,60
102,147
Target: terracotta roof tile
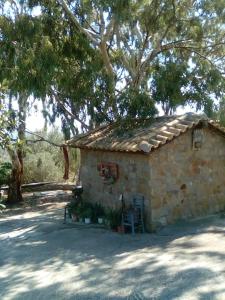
140,138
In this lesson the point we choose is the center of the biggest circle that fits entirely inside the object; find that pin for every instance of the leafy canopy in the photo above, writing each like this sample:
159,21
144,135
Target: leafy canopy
168,52
100,60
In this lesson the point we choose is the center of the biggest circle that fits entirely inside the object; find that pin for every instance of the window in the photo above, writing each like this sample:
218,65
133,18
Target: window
197,139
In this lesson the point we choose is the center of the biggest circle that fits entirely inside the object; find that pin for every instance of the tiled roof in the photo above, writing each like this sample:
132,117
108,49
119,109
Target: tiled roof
141,135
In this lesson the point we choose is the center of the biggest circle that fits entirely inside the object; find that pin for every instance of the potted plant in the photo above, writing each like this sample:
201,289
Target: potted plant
98,213
100,220
120,229
87,215
80,219
73,211
114,218
83,210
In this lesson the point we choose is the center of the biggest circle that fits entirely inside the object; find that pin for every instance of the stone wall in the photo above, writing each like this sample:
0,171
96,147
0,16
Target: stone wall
176,181
134,178
188,183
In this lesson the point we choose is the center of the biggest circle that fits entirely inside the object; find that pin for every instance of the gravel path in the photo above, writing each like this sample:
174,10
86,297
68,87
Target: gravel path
41,258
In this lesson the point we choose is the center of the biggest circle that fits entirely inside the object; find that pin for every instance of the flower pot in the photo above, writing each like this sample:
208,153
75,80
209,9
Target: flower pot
121,229
87,220
100,220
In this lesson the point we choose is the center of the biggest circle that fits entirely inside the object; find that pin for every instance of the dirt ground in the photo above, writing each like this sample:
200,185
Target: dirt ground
42,258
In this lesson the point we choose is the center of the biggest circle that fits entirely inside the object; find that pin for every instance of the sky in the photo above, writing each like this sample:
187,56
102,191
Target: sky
35,121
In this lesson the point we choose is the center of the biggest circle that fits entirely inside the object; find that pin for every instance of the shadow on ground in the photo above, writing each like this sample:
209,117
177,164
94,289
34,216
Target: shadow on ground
41,258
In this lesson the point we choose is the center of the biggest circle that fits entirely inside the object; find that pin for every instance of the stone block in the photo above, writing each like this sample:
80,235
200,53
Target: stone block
177,180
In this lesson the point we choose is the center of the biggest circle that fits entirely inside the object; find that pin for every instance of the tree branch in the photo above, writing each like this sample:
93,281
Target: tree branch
105,57
42,139
75,117
102,24
93,37
90,35
123,57
109,29
155,52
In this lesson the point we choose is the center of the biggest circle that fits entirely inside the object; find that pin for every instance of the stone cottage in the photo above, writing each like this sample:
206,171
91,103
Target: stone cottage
176,162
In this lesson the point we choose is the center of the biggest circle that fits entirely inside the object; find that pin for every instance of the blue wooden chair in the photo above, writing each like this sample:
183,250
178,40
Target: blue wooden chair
134,216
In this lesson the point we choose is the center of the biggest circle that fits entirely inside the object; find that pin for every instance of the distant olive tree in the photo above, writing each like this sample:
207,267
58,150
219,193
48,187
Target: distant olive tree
44,161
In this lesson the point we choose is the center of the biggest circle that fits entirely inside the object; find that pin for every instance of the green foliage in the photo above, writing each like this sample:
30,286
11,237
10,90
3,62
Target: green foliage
5,171
72,208
85,209
24,57
7,126
98,212
114,216
219,113
81,209
133,104
45,162
176,83
156,52
2,207
87,213
41,168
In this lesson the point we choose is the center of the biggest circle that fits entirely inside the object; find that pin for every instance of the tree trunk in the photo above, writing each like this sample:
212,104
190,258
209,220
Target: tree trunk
14,192
17,155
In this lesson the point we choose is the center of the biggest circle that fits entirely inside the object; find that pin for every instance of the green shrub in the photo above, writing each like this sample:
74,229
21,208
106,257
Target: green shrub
86,209
87,213
5,171
97,212
45,162
39,167
73,208
2,207
81,209
114,217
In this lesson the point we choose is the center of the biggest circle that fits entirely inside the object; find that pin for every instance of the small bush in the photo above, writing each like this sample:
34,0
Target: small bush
98,212
39,167
87,213
45,162
81,209
114,217
2,207
5,171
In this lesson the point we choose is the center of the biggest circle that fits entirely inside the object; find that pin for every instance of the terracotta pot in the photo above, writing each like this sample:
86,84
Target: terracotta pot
121,229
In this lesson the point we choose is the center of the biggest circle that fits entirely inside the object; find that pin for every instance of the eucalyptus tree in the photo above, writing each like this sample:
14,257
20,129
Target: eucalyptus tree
20,42
38,58
171,52
15,94
7,142
105,59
